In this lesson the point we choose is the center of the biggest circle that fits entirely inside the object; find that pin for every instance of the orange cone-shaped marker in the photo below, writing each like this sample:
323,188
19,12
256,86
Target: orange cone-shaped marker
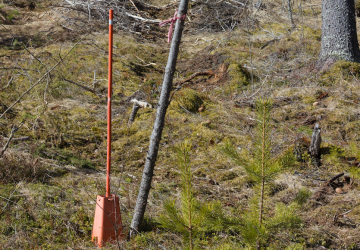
107,222
107,226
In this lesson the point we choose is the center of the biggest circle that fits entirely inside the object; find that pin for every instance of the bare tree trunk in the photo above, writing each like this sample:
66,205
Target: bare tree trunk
338,33
159,123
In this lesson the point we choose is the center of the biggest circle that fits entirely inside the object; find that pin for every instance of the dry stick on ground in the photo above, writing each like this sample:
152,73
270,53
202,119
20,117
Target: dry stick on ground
40,80
134,6
13,131
82,86
48,80
334,179
269,42
323,189
9,68
203,73
159,123
8,84
23,138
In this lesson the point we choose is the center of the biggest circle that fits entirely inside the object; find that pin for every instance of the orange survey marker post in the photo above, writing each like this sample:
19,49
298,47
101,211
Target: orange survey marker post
107,226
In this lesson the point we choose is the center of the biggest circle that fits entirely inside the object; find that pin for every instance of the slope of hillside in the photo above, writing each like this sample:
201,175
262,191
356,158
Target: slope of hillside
55,166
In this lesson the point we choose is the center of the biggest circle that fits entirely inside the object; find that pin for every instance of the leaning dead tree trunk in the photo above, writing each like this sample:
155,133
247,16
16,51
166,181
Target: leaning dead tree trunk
338,32
159,122
314,149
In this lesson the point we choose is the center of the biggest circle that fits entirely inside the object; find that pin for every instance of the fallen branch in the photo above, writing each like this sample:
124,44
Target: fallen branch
204,73
8,84
269,42
82,86
141,18
40,80
14,129
24,138
157,7
134,6
9,68
142,104
334,179
146,64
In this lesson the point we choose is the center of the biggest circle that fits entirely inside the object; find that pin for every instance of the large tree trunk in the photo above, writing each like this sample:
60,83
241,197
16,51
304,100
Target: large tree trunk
339,38
159,123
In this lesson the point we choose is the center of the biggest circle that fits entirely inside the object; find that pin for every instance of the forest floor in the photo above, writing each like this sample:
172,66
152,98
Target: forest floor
50,178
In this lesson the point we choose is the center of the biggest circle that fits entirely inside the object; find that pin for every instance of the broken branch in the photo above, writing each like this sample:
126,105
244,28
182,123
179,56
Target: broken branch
334,179
204,73
82,86
13,131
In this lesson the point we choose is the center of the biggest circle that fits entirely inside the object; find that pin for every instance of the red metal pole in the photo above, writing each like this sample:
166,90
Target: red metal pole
108,165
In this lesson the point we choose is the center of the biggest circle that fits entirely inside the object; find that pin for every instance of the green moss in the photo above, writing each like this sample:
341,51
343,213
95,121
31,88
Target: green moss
227,175
341,70
12,14
312,33
242,181
239,76
190,99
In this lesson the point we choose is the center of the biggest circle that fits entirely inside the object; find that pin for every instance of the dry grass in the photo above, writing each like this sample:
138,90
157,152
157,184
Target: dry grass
54,196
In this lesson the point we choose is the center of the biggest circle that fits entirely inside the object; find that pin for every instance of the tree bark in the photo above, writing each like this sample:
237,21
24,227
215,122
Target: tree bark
159,123
339,38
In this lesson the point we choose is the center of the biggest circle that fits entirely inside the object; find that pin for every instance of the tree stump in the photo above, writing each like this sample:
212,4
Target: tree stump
134,111
314,149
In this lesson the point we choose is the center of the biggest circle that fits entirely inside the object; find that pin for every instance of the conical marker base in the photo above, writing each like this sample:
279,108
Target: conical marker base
107,222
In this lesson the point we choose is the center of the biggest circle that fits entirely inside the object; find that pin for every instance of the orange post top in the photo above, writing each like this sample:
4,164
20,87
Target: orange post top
108,165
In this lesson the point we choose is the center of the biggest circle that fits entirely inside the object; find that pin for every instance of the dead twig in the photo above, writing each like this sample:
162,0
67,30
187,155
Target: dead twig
24,138
82,86
134,5
334,179
9,68
14,129
204,73
8,84
269,42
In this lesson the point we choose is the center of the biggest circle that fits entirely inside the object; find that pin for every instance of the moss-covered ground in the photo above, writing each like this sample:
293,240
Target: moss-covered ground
48,183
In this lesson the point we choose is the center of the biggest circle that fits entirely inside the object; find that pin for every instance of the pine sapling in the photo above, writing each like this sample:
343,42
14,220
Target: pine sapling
191,215
261,168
